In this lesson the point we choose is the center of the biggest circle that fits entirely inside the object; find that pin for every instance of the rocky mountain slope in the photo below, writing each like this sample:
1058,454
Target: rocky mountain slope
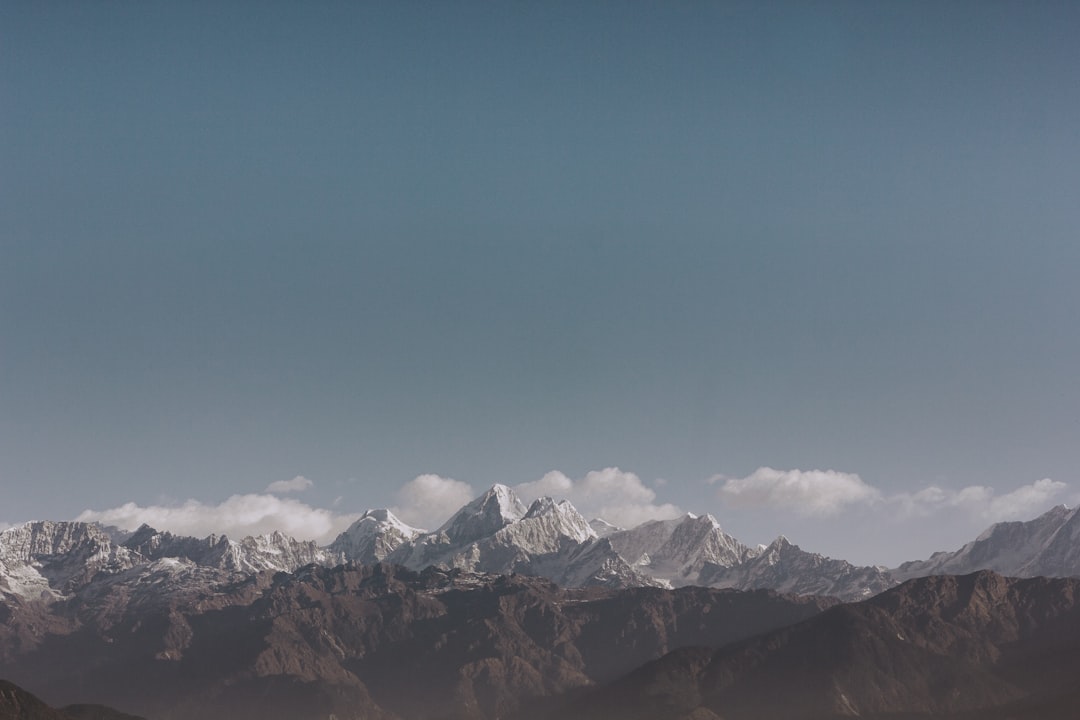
356,641
973,646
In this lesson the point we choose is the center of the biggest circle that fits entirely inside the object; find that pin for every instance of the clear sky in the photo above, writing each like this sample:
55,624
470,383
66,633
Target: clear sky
388,254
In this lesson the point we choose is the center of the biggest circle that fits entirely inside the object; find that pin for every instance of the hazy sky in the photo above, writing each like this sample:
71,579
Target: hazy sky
812,268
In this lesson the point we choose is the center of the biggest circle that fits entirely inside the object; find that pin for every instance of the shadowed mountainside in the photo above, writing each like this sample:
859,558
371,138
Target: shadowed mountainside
362,642
979,645
18,704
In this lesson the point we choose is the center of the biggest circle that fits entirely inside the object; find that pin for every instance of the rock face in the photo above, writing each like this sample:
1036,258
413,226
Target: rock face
357,641
979,645
50,559
1047,546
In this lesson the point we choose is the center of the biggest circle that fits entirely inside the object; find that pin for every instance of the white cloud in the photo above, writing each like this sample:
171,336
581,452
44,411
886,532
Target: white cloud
619,497
822,493
983,502
297,484
237,516
805,492
553,484
427,501
1026,499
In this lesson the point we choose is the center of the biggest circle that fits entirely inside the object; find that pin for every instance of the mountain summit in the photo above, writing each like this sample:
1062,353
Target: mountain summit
1047,546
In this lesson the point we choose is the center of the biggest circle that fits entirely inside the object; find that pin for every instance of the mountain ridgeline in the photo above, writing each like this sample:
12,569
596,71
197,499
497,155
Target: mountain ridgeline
508,611
496,533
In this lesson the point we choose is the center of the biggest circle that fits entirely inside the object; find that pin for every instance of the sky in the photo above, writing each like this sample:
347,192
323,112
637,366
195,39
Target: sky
810,268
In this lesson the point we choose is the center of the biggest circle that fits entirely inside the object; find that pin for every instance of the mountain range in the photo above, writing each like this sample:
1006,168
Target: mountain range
496,533
514,611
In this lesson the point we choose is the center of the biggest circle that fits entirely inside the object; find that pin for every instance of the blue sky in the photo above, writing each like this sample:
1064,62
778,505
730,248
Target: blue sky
366,243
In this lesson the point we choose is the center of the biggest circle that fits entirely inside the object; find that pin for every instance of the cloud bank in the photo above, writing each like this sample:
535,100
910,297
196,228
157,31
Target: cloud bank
824,493
619,497
983,502
805,492
237,516
427,501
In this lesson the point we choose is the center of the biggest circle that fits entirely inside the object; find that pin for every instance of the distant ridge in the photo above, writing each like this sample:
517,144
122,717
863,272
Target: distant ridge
1047,546
497,533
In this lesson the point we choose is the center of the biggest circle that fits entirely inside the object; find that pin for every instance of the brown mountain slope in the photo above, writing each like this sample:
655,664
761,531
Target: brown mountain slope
363,642
18,704
974,646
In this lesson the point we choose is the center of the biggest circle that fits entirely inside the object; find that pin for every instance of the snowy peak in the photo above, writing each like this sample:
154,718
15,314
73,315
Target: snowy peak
52,559
276,551
273,551
484,516
1049,545
154,544
496,534
373,537
545,517
544,506
382,516
44,539
788,568
779,546
644,540
676,550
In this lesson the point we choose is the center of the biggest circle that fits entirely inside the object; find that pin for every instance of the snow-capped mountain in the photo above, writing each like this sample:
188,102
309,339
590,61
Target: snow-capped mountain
52,560
496,534
274,551
788,568
675,551
373,537
49,560
479,519
1048,546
